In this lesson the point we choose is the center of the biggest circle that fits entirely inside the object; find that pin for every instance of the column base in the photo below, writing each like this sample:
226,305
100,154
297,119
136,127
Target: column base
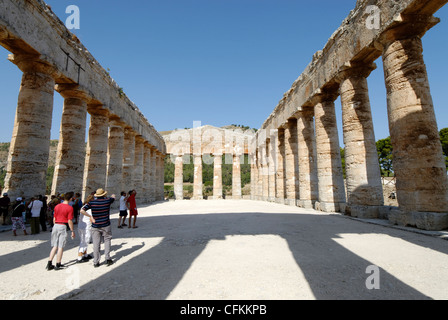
291,202
330,206
306,204
363,212
197,198
280,200
430,221
216,198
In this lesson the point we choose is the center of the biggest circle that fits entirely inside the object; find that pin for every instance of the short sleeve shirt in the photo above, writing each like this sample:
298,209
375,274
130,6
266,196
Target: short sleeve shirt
63,213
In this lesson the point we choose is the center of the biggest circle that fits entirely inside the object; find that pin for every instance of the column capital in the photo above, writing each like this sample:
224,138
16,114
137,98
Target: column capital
324,95
97,109
32,63
69,90
356,70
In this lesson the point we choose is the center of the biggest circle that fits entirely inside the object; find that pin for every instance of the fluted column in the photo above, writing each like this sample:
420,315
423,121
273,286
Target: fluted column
259,188
364,187
146,186
272,165
197,185
291,163
161,177
253,175
280,174
114,183
419,164
128,159
264,172
96,154
30,143
236,177
152,175
217,177
329,166
71,153
179,177
138,167
308,185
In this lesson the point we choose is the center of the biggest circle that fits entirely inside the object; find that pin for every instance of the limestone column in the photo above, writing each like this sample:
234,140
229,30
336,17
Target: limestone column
128,159
95,169
280,174
146,187
329,166
71,153
259,188
291,163
30,143
197,185
152,174
179,177
114,183
161,177
253,175
272,165
308,186
419,164
364,187
236,177
138,166
264,172
217,176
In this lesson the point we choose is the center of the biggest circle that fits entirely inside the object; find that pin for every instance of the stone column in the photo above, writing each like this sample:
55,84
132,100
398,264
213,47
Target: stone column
197,187
291,162
30,143
364,187
114,183
253,175
419,164
217,177
152,175
138,167
236,177
280,174
71,153
161,177
146,187
128,159
329,166
272,165
95,169
259,188
264,172
306,143
179,177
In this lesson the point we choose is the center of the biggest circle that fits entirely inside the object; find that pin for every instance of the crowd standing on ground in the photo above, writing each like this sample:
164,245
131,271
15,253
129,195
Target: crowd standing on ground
62,212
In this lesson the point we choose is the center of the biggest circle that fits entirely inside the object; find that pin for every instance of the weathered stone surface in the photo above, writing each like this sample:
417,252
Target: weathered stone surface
114,182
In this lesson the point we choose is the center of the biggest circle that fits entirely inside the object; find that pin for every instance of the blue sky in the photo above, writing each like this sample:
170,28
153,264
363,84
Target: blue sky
216,61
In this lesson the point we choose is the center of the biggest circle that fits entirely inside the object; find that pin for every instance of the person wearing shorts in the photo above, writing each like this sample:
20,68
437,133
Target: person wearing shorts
132,205
123,210
63,215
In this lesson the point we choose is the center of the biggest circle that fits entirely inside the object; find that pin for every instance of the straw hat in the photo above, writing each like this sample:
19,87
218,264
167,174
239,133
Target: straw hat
100,193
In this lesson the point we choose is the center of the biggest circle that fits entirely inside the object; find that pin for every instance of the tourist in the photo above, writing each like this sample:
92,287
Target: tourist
4,207
63,215
17,216
35,206
85,233
51,205
77,204
123,210
43,213
100,218
132,205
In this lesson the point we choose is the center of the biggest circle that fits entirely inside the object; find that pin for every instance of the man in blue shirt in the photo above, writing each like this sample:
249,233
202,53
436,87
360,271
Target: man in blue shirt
100,218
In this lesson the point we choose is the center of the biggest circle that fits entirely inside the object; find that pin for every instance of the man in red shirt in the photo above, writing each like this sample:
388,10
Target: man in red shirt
63,215
132,206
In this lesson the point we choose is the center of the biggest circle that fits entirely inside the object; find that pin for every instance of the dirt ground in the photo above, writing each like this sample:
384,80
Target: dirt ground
234,250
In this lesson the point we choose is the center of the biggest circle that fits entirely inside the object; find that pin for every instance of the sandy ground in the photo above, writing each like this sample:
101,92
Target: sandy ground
234,250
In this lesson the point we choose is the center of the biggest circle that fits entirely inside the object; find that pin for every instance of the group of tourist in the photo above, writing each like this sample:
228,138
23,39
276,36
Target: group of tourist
63,212
93,225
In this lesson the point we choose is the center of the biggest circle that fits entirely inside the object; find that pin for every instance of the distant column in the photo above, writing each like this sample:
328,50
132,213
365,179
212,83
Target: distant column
217,177
138,167
179,177
291,163
364,187
236,177
197,185
272,165
146,188
96,154
30,143
114,183
329,164
152,175
308,186
128,159
71,153
280,174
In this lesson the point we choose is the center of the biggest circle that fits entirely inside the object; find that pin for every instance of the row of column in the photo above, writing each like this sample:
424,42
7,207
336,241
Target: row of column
116,158
306,167
217,177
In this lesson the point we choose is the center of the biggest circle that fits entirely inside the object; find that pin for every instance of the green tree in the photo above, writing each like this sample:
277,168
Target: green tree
385,156
444,139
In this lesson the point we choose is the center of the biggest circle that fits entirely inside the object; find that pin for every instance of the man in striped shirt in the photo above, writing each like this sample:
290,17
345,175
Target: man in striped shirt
100,218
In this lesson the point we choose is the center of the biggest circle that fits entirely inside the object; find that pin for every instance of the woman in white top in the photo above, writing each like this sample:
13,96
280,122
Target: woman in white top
85,234
123,210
